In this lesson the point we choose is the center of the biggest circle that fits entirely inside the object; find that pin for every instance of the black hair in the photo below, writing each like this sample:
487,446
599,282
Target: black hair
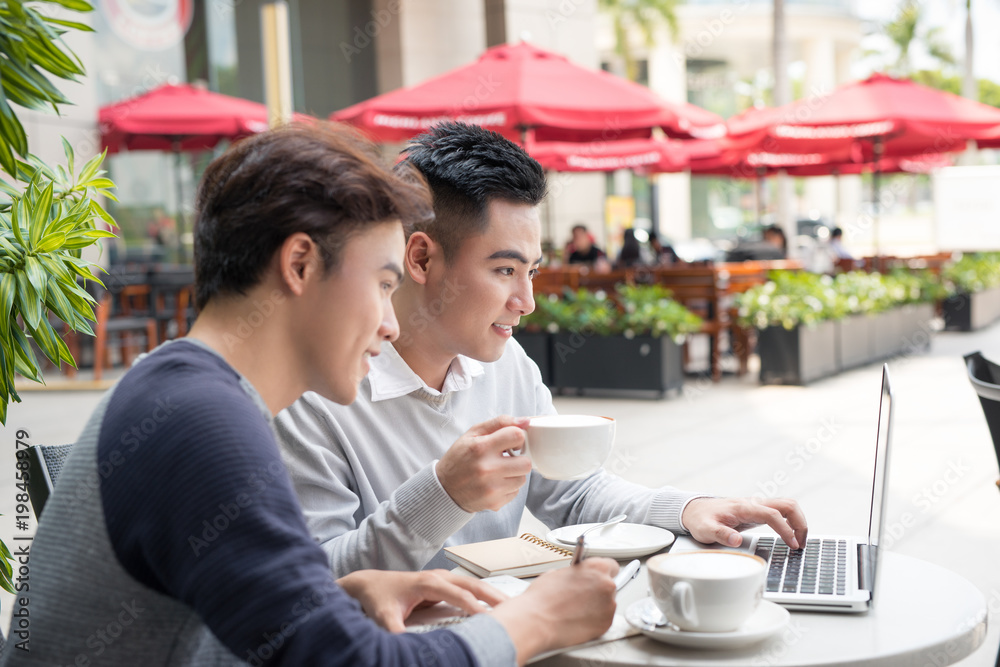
467,166
630,254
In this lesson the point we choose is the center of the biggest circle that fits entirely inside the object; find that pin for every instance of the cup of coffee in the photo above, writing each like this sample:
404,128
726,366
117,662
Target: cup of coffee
707,591
569,446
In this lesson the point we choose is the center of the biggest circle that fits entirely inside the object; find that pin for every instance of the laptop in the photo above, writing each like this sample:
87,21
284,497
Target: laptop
832,573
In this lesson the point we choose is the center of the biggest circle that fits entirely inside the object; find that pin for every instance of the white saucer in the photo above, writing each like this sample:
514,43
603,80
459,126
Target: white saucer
766,621
624,540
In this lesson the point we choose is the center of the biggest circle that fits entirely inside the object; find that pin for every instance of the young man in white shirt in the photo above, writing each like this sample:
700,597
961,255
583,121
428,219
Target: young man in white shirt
452,371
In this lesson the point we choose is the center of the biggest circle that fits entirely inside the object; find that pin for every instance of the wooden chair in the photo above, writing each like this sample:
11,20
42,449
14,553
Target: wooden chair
172,300
699,290
117,328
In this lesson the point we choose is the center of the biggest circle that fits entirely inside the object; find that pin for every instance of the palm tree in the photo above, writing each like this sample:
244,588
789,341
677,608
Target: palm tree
644,15
906,30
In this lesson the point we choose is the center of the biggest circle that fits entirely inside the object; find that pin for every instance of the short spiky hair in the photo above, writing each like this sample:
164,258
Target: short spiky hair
467,166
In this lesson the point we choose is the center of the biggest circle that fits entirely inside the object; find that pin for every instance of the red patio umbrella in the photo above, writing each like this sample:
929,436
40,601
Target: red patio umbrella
880,116
179,118
990,139
182,117
516,88
643,155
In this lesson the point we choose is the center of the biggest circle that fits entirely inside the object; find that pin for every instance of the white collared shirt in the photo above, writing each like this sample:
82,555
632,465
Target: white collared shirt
390,377
365,473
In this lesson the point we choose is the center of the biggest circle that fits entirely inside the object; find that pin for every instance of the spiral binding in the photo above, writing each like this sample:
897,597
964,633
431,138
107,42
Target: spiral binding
534,539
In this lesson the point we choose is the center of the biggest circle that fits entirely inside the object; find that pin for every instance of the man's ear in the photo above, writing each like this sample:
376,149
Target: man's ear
421,252
298,262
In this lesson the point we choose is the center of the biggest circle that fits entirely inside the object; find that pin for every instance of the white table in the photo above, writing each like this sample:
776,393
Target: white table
924,615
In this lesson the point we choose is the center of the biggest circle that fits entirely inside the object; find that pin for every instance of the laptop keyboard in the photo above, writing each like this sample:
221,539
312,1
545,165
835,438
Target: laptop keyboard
820,568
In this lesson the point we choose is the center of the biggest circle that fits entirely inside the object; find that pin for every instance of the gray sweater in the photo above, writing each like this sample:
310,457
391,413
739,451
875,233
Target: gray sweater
364,473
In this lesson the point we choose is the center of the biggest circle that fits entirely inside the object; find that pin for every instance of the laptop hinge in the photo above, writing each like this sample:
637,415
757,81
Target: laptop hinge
866,563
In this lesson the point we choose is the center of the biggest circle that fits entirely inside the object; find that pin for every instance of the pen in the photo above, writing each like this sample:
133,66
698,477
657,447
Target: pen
578,551
626,574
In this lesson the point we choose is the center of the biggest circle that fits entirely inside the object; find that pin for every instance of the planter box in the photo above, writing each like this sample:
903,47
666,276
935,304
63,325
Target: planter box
642,363
798,356
917,327
969,312
538,346
854,341
887,329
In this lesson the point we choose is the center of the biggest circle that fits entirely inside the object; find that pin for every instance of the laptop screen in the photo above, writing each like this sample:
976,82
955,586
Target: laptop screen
879,479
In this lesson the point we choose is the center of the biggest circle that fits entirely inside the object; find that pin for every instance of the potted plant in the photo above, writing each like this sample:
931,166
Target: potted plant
864,331
627,342
47,215
793,313
916,295
973,284
534,335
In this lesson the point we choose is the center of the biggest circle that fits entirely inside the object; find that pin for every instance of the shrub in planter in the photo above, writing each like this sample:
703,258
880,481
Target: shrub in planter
973,283
793,313
627,342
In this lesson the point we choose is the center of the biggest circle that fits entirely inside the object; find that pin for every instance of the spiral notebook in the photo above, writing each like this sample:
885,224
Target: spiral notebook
522,556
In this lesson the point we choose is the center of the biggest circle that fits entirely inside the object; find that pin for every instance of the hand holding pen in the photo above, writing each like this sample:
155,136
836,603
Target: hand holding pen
625,575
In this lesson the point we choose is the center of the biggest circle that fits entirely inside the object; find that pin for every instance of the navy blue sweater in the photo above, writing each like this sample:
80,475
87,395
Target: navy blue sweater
197,534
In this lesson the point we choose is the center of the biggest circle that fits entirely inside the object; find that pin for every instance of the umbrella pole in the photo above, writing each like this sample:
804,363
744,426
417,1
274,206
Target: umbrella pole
877,149
180,202
758,189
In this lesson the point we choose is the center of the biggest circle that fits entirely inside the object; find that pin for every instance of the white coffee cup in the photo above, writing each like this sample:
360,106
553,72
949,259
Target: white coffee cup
569,446
707,591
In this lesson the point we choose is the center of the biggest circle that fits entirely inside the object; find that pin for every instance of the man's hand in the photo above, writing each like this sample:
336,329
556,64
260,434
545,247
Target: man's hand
562,607
390,597
475,471
721,519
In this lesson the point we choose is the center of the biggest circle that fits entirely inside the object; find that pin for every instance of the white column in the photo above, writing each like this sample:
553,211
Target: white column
821,75
439,35
668,78
675,206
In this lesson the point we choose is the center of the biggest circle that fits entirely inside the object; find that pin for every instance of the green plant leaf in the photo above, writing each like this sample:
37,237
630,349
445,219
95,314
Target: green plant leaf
28,301
82,27
90,168
8,289
8,189
7,366
36,275
25,361
15,223
10,249
75,5
51,242
51,344
100,183
7,158
40,216
11,129
70,156
99,211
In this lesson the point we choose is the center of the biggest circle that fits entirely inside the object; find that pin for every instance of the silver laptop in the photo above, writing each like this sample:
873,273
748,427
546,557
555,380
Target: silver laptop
832,573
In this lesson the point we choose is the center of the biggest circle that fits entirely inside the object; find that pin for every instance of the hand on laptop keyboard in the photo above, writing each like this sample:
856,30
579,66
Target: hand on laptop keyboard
721,519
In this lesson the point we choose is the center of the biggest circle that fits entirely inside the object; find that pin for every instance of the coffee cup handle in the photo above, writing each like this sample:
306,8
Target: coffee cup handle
682,598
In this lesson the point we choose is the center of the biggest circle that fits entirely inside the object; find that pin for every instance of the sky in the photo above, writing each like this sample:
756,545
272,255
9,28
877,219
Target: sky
950,15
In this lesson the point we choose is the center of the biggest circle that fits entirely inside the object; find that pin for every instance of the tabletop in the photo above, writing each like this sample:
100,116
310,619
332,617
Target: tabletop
924,615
